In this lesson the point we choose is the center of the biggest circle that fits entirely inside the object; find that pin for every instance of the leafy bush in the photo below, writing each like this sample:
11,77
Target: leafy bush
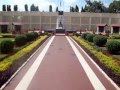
6,46
20,40
90,37
113,46
84,35
100,40
30,36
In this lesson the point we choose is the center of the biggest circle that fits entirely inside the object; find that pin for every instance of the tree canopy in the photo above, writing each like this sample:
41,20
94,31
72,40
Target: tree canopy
15,8
50,8
95,6
114,7
34,8
26,7
57,9
4,8
99,7
8,7
74,9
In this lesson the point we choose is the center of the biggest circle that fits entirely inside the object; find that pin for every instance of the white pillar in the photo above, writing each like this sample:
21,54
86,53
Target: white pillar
119,30
111,30
104,30
97,29
50,23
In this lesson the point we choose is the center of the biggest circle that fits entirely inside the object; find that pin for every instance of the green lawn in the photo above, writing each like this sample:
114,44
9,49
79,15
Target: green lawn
5,33
114,39
1,39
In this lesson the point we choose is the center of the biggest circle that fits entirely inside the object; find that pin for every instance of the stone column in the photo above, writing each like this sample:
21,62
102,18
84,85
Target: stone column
104,30
111,30
40,22
30,20
50,22
97,30
119,30
90,24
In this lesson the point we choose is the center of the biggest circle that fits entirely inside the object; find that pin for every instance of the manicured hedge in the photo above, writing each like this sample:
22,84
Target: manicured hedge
6,46
84,35
90,37
113,46
31,36
100,40
20,40
6,63
35,34
107,60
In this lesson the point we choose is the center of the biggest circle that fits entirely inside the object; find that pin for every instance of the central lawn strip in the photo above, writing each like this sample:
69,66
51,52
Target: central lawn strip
7,62
108,61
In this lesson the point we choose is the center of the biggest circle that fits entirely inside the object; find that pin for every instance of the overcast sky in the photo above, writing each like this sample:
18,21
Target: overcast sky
44,4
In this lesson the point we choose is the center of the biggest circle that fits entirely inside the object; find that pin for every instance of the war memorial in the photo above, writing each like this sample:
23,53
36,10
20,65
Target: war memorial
50,21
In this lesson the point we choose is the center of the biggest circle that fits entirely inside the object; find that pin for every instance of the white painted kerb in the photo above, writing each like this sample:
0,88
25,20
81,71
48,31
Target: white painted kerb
24,83
96,83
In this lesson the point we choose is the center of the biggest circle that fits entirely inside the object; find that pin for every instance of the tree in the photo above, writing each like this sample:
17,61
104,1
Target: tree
50,8
76,8
89,2
4,8
114,7
32,8
82,10
26,7
15,8
8,8
57,9
95,6
36,8
72,9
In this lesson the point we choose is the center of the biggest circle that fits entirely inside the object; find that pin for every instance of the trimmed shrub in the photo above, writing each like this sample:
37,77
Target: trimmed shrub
100,40
35,34
31,36
6,46
84,35
20,40
90,37
113,46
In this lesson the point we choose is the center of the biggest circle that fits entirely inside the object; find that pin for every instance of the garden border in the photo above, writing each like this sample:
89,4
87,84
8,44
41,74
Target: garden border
23,64
104,68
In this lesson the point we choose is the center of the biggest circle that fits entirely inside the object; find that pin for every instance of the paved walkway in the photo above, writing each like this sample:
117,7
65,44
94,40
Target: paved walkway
60,64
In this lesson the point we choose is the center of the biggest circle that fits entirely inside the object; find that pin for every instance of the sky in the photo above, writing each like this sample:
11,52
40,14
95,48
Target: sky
44,4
